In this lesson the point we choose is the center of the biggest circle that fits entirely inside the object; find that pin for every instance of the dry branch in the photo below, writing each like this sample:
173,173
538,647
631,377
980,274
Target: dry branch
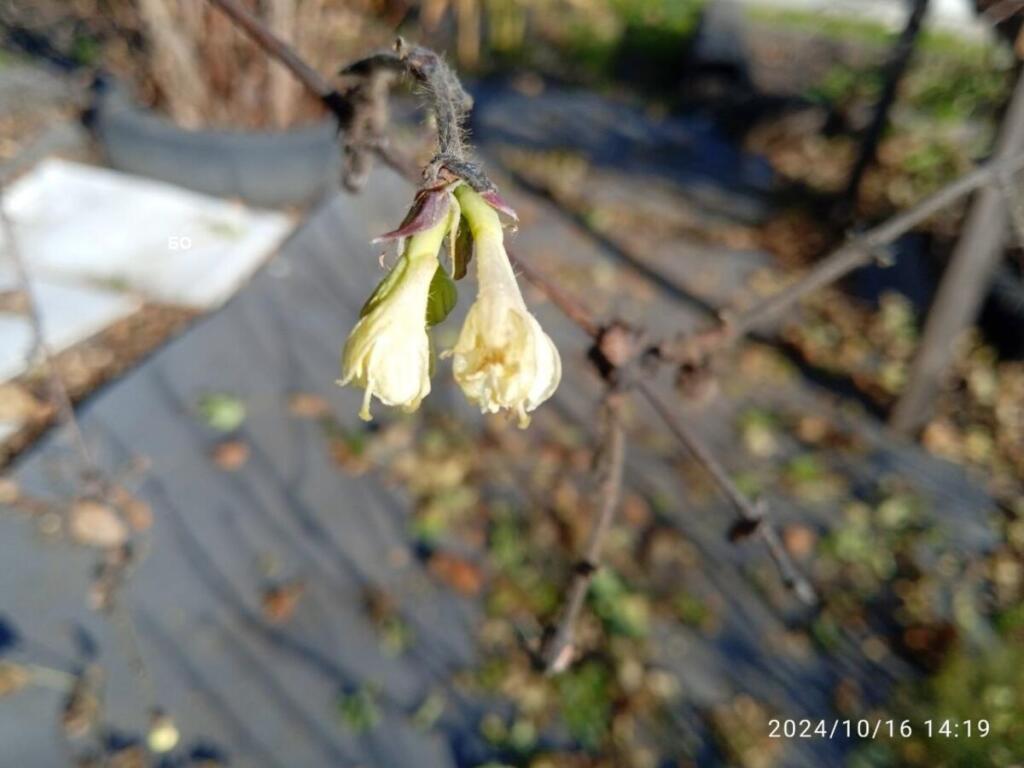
284,53
856,253
559,645
966,279
753,519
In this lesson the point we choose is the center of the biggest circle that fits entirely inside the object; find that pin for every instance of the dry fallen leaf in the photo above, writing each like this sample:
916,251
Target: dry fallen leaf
132,756
82,706
13,677
459,574
799,540
635,510
280,601
308,406
812,429
9,491
96,525
108,577
137,512
351,461
231,455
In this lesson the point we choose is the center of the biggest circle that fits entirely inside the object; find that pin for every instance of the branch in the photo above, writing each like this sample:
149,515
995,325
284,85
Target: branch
567,304
359,109
752,516
40,347
1015,206
964,283
1001,11
284,53
856,253
892,75
559,644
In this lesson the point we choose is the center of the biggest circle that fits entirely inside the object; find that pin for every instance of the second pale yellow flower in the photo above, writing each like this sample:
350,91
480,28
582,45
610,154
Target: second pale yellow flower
502,359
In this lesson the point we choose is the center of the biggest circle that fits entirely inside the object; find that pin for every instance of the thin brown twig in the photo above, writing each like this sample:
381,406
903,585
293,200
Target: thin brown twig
753,519
343,105
566,303
287,55
857,252
41,348
559,646
999,12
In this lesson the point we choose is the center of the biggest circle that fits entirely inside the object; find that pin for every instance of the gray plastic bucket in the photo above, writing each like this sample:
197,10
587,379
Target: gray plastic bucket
293,167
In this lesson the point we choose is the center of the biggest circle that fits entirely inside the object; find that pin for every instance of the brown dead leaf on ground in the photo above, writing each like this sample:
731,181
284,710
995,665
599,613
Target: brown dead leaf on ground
306,405
9,491
230,455
280,600
635,510
459,574
132,756
137,513
799,541
13,677
348,459
82,706
96,525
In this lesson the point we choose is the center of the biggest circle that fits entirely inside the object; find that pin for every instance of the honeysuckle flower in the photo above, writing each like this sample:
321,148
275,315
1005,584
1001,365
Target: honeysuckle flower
388,352
502,359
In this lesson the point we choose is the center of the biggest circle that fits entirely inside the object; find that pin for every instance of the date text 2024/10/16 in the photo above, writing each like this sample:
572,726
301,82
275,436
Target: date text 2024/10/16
874,729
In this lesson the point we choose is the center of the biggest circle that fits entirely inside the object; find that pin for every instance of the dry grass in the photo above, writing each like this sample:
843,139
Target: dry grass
186,58
206,73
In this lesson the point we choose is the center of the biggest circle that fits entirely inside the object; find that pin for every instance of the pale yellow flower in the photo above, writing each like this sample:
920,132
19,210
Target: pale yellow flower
388,352
502,359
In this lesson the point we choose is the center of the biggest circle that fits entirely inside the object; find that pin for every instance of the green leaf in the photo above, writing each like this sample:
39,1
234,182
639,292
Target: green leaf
429,712
462,252
623,611
359,709
585,699
442,298
222,411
